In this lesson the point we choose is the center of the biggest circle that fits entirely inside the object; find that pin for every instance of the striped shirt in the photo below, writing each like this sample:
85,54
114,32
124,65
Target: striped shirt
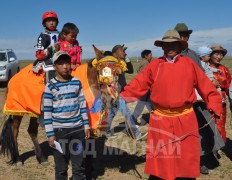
64,105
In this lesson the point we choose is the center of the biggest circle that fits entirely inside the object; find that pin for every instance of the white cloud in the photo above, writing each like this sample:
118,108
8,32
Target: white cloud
25,47
209,37
198,38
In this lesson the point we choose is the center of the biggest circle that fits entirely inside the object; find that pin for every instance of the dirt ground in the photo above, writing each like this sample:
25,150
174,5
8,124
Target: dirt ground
126,160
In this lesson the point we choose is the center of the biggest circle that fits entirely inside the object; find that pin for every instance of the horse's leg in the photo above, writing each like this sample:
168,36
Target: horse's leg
33,132
15,130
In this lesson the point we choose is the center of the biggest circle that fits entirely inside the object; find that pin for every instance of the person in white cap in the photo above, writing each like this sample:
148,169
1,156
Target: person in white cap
204,54
208,140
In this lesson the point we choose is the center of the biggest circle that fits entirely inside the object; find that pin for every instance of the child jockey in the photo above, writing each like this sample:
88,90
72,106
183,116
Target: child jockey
46,39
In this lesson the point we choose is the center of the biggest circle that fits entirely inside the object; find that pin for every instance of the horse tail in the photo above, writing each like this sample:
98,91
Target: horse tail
7,144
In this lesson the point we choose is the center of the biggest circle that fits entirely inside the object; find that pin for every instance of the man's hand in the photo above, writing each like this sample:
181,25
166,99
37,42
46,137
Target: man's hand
51,141
127,59
214,116
87,134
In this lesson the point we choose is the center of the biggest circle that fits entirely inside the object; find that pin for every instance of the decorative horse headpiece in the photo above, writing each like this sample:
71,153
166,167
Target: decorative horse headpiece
108,68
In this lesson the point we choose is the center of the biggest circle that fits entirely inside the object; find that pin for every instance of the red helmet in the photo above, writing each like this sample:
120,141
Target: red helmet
49,14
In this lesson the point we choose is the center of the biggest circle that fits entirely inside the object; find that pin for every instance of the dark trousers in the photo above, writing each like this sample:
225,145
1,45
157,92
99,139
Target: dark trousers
210,138
72,143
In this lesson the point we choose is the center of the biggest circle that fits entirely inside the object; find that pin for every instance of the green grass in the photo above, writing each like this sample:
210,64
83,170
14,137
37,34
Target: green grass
24,63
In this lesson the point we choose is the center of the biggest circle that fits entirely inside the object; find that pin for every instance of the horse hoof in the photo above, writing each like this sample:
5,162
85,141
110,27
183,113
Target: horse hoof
19,163
44,163
41,159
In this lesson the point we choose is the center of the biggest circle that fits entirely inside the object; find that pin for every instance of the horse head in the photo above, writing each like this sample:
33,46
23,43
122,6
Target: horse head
108,70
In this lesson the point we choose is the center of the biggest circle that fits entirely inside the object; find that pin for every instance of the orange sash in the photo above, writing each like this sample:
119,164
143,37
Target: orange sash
173,112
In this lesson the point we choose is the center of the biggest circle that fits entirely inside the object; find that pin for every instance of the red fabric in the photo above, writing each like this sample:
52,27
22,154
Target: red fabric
173,85
40,55
178,159
221,123
73,50
224,79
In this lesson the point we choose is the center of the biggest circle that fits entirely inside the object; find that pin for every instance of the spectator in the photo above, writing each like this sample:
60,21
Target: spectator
222,80
145,100
118,51
184,33
65,118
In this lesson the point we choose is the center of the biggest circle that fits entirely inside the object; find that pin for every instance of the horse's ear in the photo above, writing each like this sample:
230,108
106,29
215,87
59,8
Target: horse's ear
99,54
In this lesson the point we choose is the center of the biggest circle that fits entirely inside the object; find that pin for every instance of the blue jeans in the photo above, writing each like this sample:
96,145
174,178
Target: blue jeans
144,101
122,106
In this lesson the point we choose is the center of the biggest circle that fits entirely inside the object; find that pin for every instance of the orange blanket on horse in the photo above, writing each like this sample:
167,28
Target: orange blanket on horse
25,91
81,73
26,88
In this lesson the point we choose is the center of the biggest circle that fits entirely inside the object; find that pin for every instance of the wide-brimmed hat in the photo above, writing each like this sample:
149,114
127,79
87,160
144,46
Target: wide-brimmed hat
219,48
171,36
182,28
58,54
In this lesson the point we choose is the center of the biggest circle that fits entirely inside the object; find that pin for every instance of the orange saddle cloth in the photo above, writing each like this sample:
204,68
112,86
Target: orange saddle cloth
25,90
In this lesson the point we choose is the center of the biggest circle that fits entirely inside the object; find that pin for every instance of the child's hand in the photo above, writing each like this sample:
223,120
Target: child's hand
216,83
219,71
51,141
87,134
56,47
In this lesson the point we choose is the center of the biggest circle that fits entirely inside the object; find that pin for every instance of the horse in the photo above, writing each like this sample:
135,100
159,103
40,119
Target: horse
27,100
99,79
24,95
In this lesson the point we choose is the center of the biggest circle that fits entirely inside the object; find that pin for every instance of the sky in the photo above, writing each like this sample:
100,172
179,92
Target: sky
105,23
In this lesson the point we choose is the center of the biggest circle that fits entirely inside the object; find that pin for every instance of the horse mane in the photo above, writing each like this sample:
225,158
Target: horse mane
89,62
